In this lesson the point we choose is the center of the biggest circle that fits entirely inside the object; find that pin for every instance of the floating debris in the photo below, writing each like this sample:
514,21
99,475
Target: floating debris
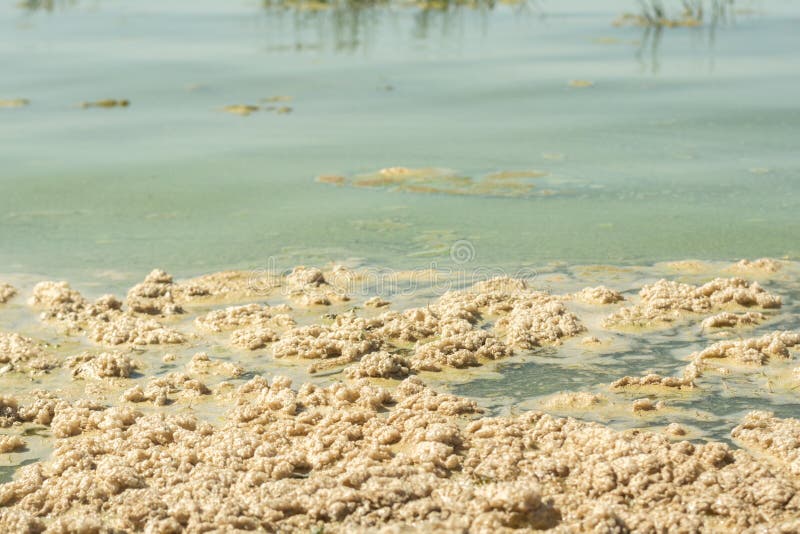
279,98
246,109
444,181
7,292
11,444
760,266
513,175
107,103
606,40
733,320
334,179
14,103
241,109
667,301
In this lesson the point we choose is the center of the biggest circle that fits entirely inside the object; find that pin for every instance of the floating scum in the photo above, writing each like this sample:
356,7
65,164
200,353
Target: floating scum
444,181
172,408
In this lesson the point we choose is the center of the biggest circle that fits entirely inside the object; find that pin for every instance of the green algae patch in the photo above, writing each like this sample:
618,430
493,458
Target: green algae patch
106,103
14,103
244,110
334,179
432,180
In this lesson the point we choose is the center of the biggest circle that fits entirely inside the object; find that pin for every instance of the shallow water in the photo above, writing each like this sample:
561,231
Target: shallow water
684,147
523,381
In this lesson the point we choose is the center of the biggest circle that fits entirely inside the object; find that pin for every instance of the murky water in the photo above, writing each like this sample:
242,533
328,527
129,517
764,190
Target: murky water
684,147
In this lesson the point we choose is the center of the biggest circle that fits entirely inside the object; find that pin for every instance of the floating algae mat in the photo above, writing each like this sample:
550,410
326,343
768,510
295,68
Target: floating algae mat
340,398
444,181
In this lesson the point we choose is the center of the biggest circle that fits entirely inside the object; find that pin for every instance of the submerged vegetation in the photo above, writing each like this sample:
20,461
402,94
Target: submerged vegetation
355,22
320,5
689,13
651,13
46,5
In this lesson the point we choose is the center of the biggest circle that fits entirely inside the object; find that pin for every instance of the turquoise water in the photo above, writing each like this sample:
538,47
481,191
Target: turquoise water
686,145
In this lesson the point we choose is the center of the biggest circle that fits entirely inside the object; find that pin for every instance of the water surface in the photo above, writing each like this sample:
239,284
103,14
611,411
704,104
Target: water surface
685,146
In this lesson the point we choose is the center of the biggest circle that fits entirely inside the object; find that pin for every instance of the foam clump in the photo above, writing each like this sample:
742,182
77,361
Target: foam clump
777,438
320,342
104,321
646,405
675,430
376,302
165,389
225,285
733,320
23,354
380,364
103,365
598,295
154,295
134,330
64,418
452,332
11,444
252,326
667,301
654,380
759,266
308,287
236,317
751,351
538,321
201,363
7,292
459,350
353,456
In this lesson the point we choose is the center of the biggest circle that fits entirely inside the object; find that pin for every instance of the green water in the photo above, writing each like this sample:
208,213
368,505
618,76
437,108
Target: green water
686,146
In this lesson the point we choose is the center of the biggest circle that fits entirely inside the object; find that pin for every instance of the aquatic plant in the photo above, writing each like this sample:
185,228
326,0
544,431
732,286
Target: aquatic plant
653,13
46,5
354,23
440,5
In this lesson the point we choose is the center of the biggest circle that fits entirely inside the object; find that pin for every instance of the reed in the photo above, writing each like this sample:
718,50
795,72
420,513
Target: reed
686,13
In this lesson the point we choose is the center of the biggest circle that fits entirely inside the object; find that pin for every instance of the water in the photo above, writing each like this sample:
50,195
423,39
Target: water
685,146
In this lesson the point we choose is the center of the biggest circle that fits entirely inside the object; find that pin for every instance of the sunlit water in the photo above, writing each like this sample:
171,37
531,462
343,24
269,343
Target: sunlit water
684,147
